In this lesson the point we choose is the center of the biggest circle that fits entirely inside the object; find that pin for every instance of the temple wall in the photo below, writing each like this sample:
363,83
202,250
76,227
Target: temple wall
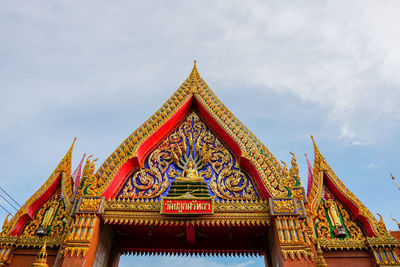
349,258
396,234
26,256
105,252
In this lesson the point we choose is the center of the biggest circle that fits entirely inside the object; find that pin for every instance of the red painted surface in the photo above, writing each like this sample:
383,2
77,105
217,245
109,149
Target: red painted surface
190,234
113,189
348,258
350,205
250,167
26,256
186,206
396,234
33,208
161,133
206,239
146,148
225,137
228,141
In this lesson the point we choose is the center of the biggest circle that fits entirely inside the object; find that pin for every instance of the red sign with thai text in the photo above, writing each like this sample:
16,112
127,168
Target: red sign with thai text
186,206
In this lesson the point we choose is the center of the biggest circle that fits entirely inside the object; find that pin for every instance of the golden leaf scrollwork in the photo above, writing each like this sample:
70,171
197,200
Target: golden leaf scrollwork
381,227
6,226
89,204
321,223
52,216
283,206
191,141
325,229
353,229
89,183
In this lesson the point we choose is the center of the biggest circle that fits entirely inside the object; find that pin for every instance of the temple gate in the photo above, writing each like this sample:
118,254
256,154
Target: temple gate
194,180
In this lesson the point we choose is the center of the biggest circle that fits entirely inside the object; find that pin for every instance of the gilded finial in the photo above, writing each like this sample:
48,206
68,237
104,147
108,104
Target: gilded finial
394,179
65,165
317,154
320,262
41,257
194,79
398,223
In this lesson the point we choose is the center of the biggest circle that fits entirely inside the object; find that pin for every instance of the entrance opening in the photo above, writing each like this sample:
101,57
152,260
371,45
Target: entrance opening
192,261
186,245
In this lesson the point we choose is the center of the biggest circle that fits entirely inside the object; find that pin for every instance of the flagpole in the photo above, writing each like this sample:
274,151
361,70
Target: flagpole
395,181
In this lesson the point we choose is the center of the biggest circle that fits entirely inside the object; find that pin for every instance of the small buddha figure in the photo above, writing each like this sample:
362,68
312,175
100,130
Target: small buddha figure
189,174
333,213
189,184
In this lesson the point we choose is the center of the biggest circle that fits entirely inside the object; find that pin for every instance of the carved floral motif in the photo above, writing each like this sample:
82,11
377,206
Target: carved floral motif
283,206
51,216
192,140
325,228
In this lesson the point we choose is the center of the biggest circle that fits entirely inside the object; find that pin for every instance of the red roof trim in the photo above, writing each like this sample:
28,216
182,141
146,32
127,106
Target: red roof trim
36,205
350,205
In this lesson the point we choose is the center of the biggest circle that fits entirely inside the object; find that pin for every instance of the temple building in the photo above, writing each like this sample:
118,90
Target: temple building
193,179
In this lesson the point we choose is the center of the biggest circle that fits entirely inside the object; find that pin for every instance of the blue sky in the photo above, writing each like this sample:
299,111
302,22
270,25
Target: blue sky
98,69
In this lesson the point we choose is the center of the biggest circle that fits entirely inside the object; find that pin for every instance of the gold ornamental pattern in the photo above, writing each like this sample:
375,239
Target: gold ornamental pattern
324,223
52,216
191,141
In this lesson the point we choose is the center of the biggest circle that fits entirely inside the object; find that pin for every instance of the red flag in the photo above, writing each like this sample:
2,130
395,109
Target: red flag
310,175
76,176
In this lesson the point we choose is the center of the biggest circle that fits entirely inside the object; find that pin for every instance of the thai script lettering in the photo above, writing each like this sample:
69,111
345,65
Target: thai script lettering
187,206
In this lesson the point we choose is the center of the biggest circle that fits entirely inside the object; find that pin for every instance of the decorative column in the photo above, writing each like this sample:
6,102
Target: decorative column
41,258
5,255
384,251
293,246
80,246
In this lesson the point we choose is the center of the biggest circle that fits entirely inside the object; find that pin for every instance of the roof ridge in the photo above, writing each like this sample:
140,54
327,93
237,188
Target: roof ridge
267,165
320,164
63,166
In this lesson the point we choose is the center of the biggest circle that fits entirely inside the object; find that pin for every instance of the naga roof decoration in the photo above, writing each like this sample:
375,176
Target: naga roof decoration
193,179
219,173
324,177
275,180
60,177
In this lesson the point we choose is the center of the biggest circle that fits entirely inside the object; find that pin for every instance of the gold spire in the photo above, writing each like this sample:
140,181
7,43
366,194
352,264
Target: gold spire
41,257
316,150
320,262
65,164
194,78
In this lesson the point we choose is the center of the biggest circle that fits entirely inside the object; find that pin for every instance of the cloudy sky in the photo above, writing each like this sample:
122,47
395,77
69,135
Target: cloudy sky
98,69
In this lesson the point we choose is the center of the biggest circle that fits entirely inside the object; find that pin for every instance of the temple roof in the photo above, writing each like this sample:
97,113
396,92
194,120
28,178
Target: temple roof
60,177
195,89
323,175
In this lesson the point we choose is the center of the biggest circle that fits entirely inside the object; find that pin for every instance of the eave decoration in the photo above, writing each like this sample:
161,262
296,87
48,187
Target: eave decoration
274,180
46,213
194,164
341,221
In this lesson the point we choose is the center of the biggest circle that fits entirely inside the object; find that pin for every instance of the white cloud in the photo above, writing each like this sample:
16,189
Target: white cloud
97,70
341,57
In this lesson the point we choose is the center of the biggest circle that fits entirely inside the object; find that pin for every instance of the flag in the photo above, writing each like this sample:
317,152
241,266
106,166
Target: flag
76,176
310,175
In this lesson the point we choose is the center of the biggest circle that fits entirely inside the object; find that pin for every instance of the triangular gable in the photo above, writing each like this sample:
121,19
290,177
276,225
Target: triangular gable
194,91
216,167
59,181
325,181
